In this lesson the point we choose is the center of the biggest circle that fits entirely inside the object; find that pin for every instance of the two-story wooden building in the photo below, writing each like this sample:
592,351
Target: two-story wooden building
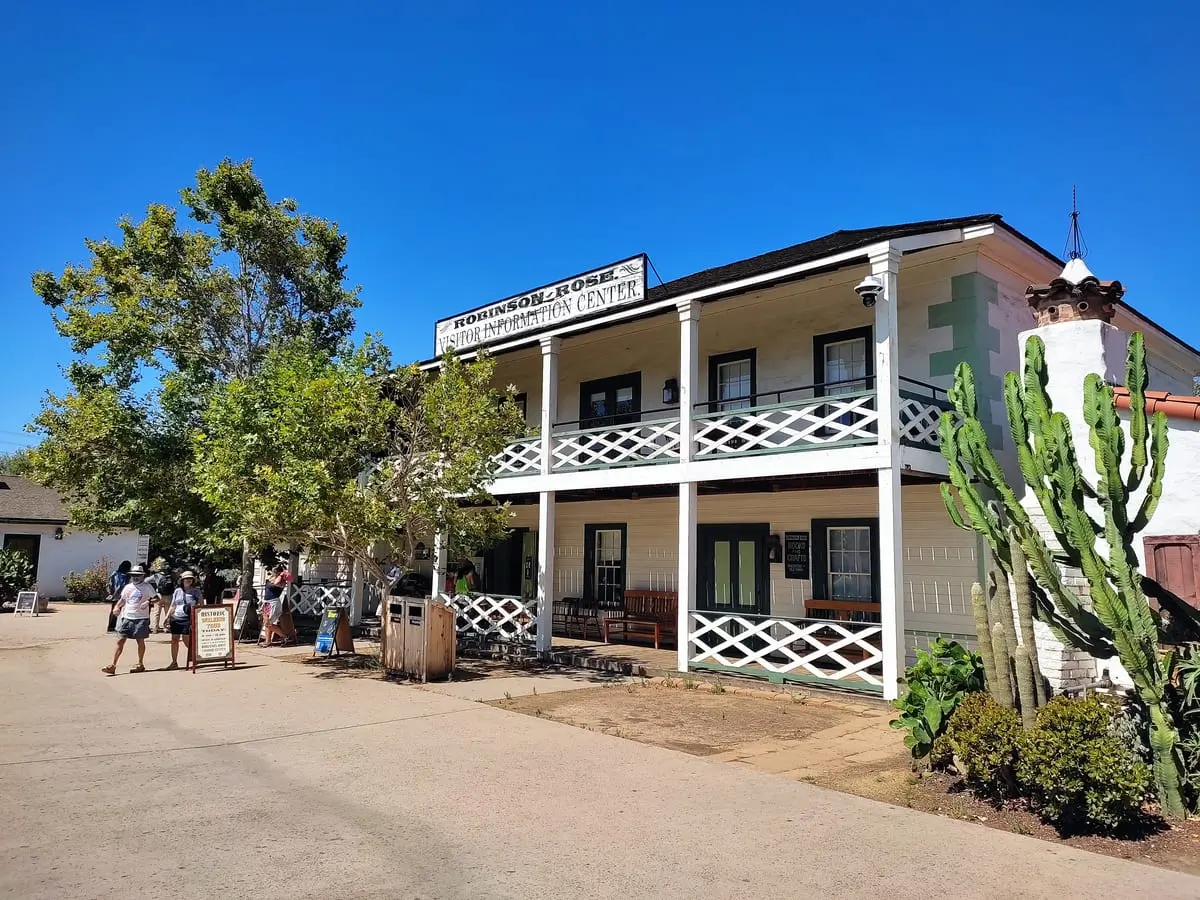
758,441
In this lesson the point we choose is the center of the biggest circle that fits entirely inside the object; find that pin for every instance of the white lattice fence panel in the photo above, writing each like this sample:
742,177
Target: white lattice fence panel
919,421
819,647
522,457
641,442
818,423
493,617
313,599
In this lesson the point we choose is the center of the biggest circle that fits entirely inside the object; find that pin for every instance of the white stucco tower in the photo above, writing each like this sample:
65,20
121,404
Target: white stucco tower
1074,312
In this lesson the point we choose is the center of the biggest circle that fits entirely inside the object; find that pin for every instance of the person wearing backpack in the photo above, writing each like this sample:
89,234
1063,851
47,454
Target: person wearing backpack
164,587
116,583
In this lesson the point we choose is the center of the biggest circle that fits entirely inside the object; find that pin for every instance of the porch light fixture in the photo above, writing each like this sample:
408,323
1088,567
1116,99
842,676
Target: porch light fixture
774,549
58,534
670,391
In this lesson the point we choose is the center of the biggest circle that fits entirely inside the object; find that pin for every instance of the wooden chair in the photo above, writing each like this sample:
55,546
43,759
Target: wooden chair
653,614
575,612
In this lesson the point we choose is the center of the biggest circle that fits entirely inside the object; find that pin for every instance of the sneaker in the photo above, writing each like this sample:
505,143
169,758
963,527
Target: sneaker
136,669
109,670
172,667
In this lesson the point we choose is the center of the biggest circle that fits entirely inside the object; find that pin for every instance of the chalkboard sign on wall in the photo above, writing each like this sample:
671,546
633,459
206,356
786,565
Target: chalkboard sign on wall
795,554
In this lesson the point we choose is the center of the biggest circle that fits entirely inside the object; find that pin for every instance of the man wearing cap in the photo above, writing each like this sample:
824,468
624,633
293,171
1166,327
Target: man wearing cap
183,600
133,618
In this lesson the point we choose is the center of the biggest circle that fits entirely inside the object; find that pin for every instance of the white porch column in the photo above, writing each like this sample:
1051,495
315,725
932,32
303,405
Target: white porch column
550,347
886,267
440,561
545,577
687,568
689,369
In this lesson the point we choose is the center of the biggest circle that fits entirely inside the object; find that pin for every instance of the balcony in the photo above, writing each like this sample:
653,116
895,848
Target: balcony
812,417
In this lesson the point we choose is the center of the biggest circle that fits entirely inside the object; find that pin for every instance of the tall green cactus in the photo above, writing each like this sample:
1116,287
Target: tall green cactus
1118,621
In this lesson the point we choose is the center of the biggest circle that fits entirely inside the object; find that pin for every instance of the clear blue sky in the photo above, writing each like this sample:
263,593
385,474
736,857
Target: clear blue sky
471,150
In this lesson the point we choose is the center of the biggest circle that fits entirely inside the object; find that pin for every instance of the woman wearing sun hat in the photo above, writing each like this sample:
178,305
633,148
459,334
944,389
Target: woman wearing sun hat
183,600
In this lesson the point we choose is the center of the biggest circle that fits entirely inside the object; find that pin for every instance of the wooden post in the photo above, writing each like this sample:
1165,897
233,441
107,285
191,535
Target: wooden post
545,573
687,570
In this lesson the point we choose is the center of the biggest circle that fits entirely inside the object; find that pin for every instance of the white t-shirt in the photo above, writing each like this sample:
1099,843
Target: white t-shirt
182,602
137,599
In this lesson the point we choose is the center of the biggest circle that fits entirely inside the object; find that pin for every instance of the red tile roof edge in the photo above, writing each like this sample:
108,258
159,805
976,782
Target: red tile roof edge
1177,406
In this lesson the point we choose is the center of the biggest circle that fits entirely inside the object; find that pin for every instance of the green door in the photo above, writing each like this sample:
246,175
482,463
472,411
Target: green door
733,568
529,564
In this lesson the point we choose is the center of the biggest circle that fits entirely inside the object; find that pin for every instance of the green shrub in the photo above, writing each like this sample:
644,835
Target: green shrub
1079,774
90,584
16,574
987,739
937,683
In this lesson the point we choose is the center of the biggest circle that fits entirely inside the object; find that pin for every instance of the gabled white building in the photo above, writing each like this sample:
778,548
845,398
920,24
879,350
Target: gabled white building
758,443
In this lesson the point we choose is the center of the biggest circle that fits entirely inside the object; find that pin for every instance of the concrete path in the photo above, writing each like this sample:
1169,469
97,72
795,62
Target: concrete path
273,782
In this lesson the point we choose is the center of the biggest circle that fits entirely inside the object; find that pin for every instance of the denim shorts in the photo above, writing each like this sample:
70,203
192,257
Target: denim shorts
138,629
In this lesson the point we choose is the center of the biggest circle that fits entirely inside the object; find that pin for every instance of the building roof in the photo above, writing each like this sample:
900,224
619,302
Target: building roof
1176,406
828,245
25,501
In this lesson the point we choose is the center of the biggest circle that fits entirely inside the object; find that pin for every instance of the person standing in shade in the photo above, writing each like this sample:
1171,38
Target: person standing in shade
466,580
212,585
116,583
133,619
274,598
164,587
183,600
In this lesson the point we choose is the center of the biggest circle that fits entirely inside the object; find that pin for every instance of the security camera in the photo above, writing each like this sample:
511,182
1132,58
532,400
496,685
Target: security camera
869,289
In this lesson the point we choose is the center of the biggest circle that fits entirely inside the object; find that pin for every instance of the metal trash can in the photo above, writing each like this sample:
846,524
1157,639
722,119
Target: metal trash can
418,639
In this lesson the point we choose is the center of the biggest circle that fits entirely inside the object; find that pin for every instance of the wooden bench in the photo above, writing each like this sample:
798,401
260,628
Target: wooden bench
575,612
653,614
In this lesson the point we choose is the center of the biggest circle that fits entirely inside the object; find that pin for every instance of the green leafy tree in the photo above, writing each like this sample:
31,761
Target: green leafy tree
17,462
16,574
347,455
161,318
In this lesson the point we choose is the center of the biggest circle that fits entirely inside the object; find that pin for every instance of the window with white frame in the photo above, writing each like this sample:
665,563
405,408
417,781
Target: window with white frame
849,563
846,366
734,388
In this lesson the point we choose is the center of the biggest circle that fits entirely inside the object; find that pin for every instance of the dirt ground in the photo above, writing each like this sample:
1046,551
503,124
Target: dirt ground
843,744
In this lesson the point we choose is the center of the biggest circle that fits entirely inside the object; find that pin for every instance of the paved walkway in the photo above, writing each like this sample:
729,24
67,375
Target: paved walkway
275,782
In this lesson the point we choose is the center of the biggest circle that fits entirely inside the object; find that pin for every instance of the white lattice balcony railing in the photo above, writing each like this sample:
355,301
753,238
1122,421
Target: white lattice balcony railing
313,599
637,443
493,618
523,457
920,409
840,420
774,647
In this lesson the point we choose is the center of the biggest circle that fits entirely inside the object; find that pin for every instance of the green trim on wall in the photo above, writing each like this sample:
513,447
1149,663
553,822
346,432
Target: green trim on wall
966,314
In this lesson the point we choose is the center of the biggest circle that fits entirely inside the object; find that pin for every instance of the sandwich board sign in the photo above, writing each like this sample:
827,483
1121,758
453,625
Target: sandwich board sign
334,633
26,604
212,635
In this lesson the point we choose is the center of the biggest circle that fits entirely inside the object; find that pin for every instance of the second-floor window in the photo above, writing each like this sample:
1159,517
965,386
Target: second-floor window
731,380
610,401
843,361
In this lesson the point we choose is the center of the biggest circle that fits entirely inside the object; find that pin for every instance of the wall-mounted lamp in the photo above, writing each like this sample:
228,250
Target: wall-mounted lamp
671,391
58,534
774,549
421,551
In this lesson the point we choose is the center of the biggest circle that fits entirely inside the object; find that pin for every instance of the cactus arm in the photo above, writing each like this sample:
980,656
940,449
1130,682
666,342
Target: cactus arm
1003,693
1025,614
1025,687
1158,466
983,634
1135,381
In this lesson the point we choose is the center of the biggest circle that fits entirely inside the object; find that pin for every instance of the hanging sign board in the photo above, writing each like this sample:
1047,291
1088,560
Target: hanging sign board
26,604
583,296
334,632
795,554
212,635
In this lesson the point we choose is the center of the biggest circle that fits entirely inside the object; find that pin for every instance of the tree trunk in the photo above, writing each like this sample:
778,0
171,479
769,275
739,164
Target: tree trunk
246,583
